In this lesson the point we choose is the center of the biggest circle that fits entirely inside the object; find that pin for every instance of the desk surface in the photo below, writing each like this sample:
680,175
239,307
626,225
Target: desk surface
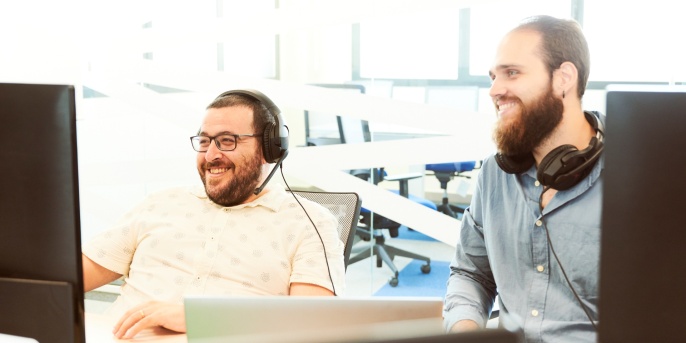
99,329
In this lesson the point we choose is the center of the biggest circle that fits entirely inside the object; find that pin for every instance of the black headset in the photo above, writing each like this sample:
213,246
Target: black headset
274,135
564,166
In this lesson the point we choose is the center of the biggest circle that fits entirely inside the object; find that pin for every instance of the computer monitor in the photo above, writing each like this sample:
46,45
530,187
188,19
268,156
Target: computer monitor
642,265
41,287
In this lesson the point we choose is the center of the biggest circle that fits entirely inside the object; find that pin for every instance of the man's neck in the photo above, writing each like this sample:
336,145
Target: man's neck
254,197
573,129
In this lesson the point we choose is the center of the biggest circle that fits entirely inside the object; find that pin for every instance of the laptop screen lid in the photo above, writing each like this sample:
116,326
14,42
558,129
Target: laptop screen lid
282,318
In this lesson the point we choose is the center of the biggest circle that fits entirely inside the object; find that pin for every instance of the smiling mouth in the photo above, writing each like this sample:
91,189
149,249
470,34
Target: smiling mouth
506,106
217,170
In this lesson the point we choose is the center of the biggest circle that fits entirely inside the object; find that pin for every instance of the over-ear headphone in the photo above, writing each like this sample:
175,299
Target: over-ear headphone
274,135
565,165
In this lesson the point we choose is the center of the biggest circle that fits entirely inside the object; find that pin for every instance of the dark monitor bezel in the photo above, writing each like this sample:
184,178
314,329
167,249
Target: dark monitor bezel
642,269
41,283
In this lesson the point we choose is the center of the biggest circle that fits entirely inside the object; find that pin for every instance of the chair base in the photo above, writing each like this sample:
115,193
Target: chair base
449,209
386,253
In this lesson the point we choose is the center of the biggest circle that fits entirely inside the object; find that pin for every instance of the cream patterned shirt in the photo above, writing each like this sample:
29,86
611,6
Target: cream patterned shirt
177,242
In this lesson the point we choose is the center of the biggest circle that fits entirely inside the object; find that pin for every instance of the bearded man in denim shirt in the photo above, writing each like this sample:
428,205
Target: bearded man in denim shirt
531,234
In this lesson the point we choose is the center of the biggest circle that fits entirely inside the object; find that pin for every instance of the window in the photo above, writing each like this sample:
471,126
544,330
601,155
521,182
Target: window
422,45
629,44
197,35
490,22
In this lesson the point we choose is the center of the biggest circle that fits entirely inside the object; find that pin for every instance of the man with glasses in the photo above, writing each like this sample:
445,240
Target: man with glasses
230,237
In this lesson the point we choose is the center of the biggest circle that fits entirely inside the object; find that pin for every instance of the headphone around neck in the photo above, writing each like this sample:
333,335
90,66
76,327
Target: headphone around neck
274,135
564,166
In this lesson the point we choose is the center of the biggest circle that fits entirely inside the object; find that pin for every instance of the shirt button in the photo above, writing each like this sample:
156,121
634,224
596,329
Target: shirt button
534,313
540,268
539,223
537,183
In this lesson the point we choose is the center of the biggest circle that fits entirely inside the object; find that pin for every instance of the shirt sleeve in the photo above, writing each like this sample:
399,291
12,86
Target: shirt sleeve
310,265
471,288
115,247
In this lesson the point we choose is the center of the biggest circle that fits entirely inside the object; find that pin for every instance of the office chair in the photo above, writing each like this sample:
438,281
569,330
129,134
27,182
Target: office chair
345,206
354,130
445,172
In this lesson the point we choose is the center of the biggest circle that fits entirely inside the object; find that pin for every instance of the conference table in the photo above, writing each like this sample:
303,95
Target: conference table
99,329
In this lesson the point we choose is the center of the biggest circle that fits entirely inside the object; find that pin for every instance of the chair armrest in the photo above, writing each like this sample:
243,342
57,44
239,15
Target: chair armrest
403,187
408,176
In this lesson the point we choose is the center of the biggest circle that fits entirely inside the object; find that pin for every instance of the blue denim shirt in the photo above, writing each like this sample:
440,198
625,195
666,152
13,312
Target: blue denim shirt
503,250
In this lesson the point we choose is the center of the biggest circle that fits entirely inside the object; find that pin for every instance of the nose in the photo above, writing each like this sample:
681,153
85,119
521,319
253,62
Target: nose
213,152
497,89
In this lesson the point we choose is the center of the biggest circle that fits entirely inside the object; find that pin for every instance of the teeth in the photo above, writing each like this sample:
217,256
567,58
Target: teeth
218,170
505,106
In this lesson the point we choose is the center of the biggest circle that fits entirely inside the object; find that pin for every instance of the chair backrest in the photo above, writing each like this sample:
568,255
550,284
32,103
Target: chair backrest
353,130
345,206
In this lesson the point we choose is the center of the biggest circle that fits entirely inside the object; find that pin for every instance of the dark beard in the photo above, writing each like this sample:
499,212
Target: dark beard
239,188
534,124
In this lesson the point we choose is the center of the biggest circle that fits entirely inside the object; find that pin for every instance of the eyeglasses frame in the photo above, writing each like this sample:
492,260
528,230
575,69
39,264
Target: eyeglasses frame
212,138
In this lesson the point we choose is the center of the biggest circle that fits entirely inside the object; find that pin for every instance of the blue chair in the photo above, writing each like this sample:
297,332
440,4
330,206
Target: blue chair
445,172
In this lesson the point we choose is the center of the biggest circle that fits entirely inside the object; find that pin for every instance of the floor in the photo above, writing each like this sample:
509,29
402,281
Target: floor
364,278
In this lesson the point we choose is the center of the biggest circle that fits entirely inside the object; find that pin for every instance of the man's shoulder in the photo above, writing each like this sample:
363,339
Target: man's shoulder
178,192
490,167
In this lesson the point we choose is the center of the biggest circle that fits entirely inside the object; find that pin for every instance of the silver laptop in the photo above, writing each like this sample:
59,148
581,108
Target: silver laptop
212,319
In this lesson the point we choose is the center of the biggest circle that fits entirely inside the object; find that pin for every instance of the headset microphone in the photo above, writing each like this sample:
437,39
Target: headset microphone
264,183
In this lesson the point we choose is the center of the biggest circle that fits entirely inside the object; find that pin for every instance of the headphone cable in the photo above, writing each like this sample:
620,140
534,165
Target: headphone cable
550,244
326,259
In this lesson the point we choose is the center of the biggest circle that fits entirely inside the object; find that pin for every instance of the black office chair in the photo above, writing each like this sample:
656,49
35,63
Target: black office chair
355,130
345,206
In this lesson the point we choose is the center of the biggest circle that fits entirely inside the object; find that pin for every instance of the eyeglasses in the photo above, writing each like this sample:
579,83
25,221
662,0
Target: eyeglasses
225,142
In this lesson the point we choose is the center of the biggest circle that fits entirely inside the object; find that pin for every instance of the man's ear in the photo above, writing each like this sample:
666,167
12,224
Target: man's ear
566,79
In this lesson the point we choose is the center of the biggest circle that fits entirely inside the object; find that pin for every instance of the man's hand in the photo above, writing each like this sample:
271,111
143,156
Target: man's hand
150,314
464,325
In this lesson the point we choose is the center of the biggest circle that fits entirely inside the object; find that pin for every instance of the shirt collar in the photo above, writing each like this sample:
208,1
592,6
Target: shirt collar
271,198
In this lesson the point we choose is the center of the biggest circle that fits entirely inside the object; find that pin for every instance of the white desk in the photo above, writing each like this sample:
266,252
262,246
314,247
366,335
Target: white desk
99,329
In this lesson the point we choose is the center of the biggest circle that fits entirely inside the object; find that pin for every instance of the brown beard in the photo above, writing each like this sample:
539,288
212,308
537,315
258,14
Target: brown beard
238,189
535,123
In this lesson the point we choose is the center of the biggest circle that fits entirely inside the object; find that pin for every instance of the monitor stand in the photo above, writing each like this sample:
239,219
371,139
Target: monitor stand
39,302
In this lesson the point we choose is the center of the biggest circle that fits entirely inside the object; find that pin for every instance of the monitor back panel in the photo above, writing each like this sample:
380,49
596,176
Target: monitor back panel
40,249
643,269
